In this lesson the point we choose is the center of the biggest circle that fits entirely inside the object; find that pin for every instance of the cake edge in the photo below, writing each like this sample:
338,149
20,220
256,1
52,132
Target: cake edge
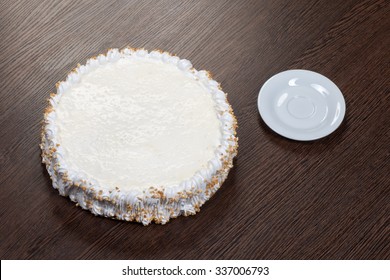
157,204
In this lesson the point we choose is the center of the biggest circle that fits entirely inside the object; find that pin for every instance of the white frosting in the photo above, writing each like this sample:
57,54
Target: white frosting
138,122
134,202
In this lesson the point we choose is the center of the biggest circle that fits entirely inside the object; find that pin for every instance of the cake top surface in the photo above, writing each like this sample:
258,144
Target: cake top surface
138,122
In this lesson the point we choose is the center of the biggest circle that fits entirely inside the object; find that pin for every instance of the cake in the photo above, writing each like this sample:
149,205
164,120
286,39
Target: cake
138,136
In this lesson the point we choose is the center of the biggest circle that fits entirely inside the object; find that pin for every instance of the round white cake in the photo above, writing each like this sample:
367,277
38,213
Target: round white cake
138,136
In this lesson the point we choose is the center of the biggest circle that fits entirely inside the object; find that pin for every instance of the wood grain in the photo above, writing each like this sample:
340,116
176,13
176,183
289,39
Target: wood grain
327,199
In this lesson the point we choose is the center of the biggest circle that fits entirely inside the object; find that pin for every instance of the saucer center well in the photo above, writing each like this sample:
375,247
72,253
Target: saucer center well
301,107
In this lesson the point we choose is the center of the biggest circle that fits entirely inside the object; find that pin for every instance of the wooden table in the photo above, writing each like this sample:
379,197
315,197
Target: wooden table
325,199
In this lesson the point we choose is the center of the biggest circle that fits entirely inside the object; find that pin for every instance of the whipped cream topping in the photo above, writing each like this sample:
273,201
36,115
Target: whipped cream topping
138,122
65,156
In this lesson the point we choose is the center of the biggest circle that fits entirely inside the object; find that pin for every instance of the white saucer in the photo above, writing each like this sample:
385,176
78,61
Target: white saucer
301,105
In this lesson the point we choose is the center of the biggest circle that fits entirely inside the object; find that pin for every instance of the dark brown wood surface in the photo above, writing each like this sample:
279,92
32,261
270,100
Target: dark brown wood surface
326,199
